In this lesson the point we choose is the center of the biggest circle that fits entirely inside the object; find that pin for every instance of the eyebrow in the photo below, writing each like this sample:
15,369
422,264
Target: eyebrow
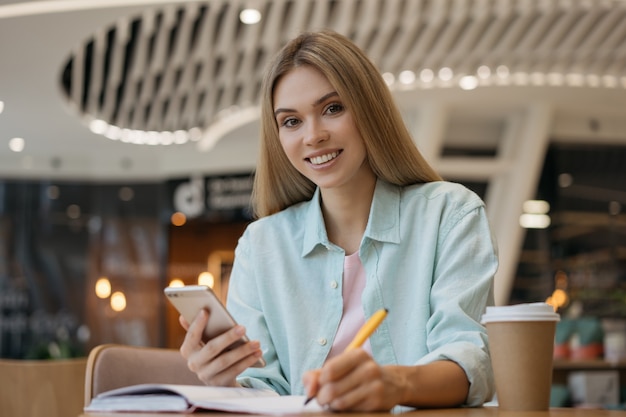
317,102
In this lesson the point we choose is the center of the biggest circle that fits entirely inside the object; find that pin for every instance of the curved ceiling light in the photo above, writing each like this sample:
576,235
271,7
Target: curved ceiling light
162,78
166,76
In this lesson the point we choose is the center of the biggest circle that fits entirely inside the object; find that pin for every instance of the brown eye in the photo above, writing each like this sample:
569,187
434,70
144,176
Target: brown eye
290,122
334,108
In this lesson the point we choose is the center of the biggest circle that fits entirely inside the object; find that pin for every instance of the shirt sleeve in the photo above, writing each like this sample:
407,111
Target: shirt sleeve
462,288
244,304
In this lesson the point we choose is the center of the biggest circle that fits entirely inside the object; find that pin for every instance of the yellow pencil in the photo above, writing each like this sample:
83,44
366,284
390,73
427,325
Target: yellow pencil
364,333
368,328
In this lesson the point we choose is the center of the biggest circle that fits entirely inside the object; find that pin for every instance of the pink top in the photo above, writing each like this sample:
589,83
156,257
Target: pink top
353,318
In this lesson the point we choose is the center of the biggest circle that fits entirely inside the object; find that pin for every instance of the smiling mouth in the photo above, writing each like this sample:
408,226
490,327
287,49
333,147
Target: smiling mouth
322,159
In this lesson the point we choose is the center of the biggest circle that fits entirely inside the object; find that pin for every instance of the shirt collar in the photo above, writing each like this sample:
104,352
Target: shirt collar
383,223
314,228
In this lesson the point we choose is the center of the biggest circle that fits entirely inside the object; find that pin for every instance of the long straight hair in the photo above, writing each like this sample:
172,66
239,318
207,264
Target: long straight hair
391,152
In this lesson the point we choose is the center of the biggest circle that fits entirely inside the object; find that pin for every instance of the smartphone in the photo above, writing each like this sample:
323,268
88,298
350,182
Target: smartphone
190,299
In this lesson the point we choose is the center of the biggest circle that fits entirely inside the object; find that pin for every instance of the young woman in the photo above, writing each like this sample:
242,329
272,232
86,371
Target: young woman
352,219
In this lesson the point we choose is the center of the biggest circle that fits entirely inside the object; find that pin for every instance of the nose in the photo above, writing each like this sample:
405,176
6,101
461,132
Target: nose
315,133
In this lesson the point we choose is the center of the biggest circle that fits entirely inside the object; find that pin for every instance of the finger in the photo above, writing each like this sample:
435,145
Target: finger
193,338
341,380
224,348
225,368
341,365
183,322
366,396
310,379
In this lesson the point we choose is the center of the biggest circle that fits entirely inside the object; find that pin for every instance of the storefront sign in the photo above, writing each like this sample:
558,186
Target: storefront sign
204,196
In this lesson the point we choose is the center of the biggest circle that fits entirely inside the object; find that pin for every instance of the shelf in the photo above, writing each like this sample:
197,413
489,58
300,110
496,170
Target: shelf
587,364
563,368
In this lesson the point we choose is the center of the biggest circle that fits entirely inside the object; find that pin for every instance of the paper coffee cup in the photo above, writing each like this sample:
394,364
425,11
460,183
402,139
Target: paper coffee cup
521,342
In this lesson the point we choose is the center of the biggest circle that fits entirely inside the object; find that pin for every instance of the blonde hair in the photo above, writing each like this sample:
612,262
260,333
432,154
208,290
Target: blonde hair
392,154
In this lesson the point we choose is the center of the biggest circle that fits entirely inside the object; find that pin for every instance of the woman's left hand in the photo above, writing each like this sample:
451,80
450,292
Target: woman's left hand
353,381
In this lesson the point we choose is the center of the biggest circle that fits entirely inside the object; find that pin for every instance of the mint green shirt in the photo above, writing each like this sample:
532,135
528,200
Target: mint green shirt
429,257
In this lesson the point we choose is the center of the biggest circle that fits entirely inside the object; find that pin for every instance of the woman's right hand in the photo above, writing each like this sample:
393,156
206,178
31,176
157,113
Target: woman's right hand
210,360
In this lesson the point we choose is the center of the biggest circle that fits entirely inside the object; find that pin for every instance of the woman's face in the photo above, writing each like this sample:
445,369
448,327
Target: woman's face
317,131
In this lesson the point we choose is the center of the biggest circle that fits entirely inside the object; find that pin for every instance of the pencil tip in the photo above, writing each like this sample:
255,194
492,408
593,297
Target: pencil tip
308,400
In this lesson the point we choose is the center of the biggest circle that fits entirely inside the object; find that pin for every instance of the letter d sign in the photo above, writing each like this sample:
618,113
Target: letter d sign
189,197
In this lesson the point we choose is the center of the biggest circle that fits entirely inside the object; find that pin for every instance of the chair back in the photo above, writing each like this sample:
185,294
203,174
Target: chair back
113,366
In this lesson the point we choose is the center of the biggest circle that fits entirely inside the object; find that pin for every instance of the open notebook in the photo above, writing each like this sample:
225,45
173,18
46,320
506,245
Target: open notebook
189,398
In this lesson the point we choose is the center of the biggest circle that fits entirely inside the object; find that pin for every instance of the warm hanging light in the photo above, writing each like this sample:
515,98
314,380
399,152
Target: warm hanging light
178,219
103,287
206,278
118,301
176,282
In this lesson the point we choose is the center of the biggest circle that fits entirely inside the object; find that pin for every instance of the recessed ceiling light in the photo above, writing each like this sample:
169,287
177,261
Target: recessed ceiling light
113,132
427,75
538,78
609,81
521,78
483,72
250,16
574,79
195,134
17,144
502,71
534,221
536,207
98,126
445,74
593,80
468,82
555,78
389,78
407,77
180,137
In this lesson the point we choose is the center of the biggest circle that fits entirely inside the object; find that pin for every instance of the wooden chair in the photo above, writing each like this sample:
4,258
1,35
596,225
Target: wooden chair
112,366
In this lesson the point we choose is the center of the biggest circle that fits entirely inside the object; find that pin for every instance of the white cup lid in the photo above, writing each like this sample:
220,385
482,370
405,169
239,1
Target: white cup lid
521,312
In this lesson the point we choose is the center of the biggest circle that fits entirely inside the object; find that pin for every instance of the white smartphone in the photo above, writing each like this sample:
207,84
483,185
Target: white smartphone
190,299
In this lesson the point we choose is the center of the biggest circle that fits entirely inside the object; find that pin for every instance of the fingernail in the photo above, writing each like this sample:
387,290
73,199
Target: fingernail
240,330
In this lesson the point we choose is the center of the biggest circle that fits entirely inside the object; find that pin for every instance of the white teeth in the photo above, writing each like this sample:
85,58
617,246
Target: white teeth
324,158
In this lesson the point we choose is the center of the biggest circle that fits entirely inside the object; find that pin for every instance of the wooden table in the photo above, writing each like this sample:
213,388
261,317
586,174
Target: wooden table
448,412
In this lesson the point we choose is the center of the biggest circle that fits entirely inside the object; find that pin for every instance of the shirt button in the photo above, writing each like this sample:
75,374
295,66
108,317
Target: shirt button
333,284
322,341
